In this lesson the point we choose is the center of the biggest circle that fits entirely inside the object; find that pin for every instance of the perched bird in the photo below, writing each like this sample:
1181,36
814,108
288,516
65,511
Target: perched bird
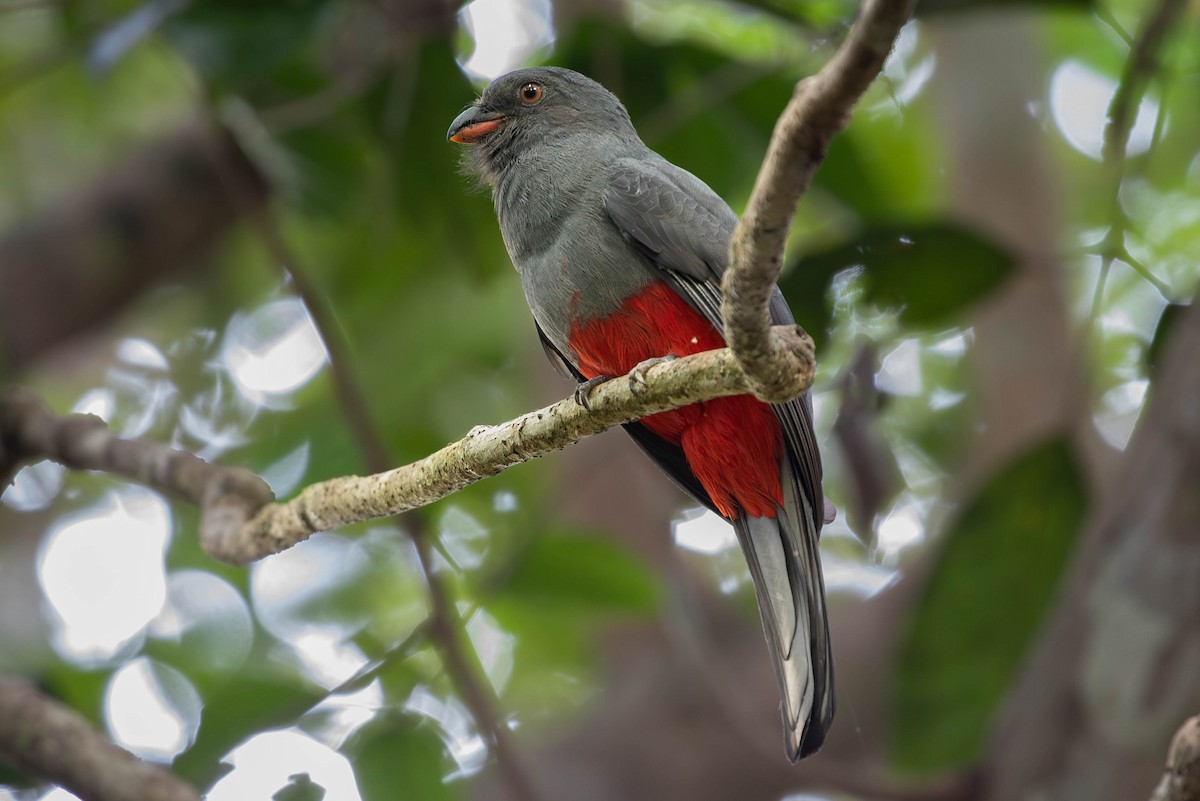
620,254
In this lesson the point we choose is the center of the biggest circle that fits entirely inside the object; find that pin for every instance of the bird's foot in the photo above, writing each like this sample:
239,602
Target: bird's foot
637,376
584,391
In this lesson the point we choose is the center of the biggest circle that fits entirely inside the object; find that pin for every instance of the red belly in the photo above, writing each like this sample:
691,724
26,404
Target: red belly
733,445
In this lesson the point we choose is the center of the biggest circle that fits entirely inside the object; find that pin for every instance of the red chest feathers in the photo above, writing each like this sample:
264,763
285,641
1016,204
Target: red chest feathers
733,445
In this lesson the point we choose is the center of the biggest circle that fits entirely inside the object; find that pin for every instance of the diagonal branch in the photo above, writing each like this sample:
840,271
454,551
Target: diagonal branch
240,525
48,739
1140,68
819,109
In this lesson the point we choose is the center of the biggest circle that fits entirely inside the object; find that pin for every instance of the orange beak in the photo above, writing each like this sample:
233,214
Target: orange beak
472,125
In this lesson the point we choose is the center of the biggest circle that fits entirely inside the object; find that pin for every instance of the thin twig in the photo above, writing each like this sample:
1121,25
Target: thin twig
467,674
1139,69
820,108
48,739
1104,14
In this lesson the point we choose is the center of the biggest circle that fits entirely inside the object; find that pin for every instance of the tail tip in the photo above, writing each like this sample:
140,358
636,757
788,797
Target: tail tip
805,740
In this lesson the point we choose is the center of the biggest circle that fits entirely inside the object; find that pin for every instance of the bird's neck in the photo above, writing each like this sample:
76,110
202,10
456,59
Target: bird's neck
538,188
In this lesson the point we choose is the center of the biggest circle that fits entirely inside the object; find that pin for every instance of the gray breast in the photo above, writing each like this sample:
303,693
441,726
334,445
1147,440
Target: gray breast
573,261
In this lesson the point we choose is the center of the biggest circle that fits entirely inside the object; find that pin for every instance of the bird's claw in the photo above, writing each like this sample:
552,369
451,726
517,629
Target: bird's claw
637,376
584,390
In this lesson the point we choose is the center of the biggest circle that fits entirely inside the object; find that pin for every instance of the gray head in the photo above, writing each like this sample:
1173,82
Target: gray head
529,107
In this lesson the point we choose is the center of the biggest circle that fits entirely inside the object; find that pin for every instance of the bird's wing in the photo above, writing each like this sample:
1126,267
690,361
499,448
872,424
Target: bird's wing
684,228
561,364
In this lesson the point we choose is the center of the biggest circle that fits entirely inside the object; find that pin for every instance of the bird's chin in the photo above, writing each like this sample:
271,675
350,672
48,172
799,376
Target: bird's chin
477,166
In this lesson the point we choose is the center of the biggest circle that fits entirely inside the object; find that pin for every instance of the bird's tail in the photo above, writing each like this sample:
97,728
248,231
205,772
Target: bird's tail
785,564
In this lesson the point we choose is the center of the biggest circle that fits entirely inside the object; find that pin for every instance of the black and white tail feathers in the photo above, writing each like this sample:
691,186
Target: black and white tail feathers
785,563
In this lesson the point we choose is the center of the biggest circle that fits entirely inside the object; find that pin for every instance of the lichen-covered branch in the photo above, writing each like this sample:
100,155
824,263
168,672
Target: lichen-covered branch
484,452
29,432
819,109
238,522
47,739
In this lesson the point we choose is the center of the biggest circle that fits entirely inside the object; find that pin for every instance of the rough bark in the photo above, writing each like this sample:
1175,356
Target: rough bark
819,109
43,737
239,525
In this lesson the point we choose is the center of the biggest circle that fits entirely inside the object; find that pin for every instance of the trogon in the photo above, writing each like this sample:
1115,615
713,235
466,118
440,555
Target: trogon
620,254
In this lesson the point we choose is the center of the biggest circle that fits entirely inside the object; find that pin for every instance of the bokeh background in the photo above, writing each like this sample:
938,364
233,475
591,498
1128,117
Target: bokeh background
218,217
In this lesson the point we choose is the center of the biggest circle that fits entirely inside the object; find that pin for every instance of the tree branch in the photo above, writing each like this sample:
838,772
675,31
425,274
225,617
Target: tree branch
239,524
1140,68
819,109
29,432
44,737
1181,779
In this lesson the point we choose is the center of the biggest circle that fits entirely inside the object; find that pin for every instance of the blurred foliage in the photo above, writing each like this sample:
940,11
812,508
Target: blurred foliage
972,627
390,753
928,273
577,574
344,105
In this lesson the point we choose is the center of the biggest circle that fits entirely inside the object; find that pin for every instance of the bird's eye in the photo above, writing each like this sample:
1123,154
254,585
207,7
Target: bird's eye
530,93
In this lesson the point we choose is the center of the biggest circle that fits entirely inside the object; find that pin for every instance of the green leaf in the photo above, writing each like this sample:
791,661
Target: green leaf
232,42
79,688
933,272
238,710
584,573
395,757
11,777
929,271
998,571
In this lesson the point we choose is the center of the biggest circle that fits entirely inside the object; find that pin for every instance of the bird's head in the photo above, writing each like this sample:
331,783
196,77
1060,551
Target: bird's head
531,106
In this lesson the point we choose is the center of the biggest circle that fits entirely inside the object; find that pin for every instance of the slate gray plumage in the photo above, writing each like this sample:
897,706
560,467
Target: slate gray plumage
592,217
